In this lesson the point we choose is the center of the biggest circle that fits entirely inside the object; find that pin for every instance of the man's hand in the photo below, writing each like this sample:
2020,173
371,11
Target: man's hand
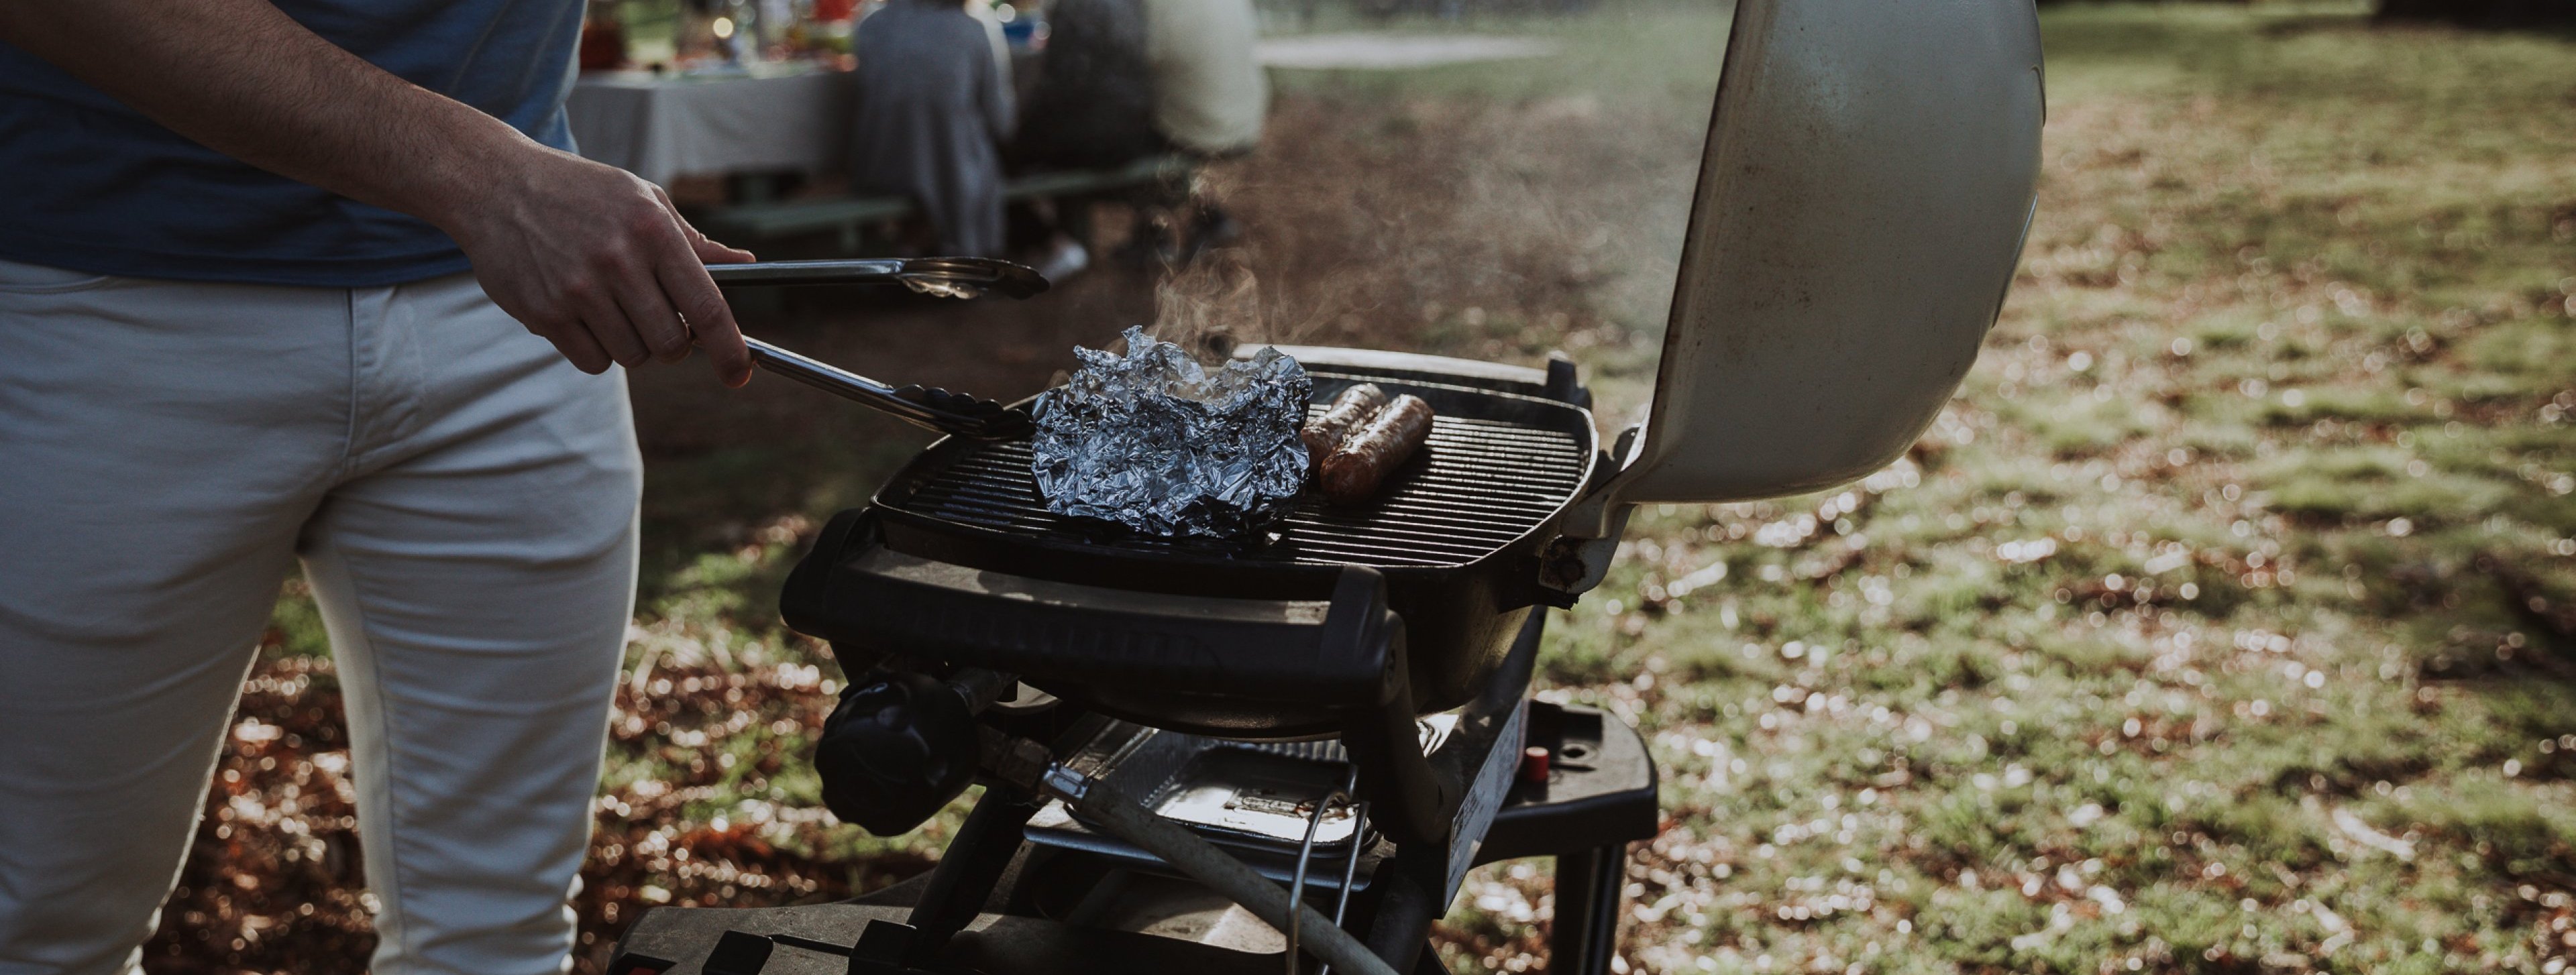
588,256
595,260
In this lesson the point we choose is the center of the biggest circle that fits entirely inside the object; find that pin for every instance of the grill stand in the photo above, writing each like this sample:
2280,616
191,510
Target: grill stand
1587,908
986,907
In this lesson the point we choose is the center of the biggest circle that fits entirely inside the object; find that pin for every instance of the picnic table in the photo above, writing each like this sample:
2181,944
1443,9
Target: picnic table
786,119
662,127
850,216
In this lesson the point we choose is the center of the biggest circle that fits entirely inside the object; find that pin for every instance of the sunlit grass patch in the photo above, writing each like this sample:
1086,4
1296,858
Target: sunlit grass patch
2538,348
2084,424
2374,483
2215,569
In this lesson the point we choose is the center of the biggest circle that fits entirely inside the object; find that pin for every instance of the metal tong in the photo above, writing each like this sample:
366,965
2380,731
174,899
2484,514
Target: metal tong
945,277
960,414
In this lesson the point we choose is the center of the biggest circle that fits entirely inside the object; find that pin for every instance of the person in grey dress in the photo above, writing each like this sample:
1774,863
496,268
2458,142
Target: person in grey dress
934,107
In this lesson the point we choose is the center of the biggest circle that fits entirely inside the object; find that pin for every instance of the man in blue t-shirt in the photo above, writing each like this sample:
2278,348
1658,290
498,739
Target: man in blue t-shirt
317,281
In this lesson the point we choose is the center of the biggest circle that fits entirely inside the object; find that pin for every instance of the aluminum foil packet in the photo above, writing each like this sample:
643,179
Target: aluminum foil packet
1154,441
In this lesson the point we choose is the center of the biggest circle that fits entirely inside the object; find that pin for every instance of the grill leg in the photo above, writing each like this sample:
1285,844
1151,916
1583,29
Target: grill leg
1407,891
973,863
1428,962
1588,887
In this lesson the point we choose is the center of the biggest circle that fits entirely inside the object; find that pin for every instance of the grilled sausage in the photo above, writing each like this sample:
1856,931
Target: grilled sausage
1350,411
1354,472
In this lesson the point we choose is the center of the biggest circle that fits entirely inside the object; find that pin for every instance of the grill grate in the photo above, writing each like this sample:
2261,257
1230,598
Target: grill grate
1483,485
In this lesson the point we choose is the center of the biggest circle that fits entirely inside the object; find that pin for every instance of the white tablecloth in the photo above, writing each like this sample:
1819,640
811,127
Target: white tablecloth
664,127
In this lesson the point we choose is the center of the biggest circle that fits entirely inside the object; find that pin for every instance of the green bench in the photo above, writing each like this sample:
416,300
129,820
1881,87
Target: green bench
851,215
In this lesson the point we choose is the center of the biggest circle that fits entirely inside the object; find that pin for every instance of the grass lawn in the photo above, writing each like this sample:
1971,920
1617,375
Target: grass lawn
2225,622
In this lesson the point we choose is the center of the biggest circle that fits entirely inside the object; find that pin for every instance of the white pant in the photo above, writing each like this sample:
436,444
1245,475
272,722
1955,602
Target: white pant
464,505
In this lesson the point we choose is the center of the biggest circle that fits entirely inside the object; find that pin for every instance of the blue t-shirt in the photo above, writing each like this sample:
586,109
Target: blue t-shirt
91,185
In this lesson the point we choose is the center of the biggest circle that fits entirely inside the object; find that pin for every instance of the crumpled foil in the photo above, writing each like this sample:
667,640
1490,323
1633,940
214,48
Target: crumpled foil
1154,441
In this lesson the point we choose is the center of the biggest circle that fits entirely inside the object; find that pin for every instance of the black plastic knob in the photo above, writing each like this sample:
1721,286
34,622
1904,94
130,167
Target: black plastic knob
895,751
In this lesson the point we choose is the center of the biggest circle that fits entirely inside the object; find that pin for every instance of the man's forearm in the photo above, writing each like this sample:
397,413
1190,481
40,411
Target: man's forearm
244,79
589,256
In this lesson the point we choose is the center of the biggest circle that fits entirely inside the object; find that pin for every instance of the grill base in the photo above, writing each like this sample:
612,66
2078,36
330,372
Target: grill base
941,568
1593,803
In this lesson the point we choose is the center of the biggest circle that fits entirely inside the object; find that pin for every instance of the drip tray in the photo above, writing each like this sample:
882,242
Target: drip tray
1254,799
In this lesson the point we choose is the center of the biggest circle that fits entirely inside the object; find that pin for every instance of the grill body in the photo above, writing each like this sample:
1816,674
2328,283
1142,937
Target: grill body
1457,534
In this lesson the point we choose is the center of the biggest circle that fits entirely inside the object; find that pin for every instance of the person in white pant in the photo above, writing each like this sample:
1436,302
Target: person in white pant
315,280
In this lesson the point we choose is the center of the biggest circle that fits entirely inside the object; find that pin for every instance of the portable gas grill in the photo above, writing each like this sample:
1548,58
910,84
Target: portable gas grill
1286,751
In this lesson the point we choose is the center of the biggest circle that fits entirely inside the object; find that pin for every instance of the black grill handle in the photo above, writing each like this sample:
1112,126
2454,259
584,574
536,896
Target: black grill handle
1258,649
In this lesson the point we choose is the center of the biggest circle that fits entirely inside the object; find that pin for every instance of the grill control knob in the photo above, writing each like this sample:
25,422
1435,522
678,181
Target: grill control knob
895,751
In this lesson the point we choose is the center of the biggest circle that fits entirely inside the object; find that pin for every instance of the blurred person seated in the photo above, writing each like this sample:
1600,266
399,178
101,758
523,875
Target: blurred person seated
1126,79
1093,106
1210,96
934,106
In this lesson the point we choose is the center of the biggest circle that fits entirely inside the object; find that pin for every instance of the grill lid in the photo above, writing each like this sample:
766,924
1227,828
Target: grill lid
1867,182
